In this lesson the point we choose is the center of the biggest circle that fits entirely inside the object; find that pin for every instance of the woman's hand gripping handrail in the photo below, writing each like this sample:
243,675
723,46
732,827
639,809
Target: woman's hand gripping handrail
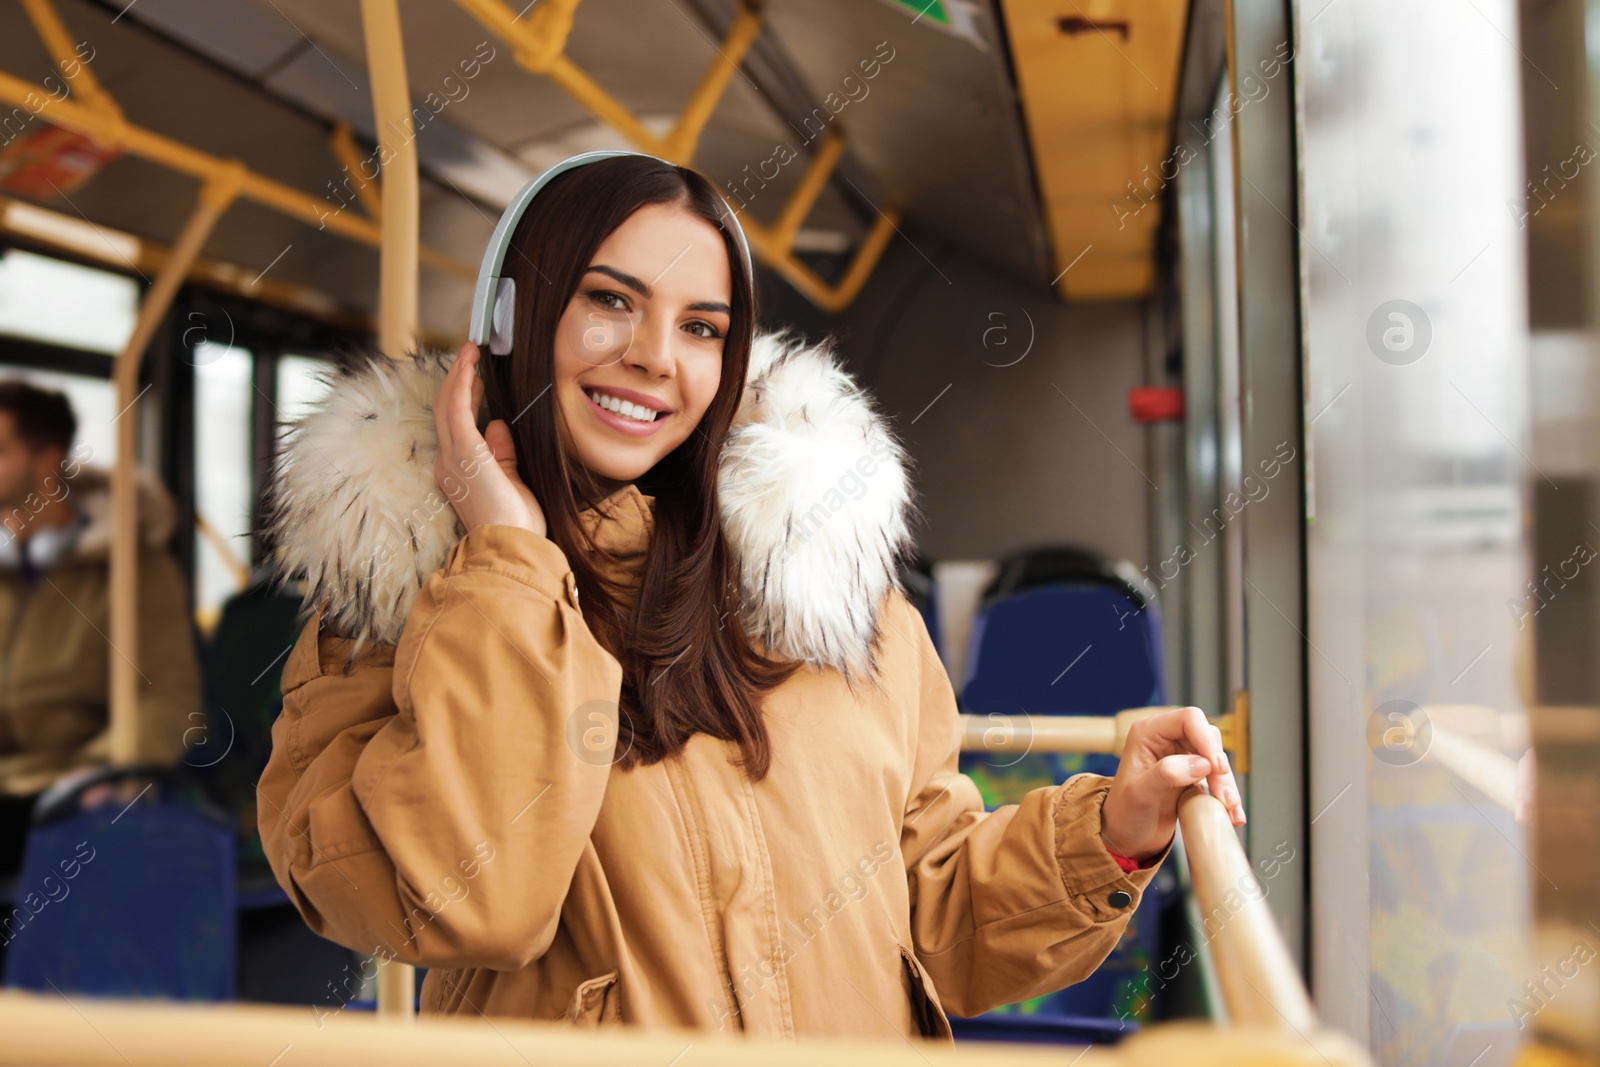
1260,983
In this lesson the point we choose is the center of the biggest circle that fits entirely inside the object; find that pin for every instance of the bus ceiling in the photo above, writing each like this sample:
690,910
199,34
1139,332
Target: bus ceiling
844,122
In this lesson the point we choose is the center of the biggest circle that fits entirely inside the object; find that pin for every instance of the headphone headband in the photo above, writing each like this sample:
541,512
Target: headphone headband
494,296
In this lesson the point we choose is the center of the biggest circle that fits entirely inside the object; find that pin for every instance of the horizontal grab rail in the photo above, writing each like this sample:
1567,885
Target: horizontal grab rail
1055,733
1078,733
52,1031
1490,772
1470,740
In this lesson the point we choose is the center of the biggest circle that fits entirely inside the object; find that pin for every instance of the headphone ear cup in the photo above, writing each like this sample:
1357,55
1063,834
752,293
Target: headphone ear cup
504,318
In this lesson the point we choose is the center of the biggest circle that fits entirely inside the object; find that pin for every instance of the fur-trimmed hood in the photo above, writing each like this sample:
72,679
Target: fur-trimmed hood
814,489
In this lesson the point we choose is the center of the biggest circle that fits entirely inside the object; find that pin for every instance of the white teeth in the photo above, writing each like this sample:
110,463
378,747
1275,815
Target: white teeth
627,409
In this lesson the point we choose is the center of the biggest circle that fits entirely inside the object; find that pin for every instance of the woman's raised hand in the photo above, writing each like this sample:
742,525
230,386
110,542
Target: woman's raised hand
1165,754
477,472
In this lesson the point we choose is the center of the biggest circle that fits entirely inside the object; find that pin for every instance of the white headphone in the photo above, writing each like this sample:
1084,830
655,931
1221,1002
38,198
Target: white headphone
494,299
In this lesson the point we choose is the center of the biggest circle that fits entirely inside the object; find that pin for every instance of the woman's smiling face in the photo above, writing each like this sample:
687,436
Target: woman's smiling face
638,351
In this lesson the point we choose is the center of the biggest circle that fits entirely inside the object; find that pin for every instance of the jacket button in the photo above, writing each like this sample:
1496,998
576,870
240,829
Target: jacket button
1119,899
572,589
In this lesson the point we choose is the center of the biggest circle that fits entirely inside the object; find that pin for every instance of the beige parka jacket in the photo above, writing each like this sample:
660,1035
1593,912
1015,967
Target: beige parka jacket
443,786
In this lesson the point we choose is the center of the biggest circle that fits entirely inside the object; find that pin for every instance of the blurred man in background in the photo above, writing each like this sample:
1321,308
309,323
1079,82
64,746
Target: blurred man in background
55,613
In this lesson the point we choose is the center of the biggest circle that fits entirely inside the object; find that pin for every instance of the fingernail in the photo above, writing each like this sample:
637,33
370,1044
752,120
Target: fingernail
1199,765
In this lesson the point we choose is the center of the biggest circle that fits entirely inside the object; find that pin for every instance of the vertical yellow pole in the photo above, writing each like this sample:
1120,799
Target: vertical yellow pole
681,143
215,196
397,296
397,156
804,197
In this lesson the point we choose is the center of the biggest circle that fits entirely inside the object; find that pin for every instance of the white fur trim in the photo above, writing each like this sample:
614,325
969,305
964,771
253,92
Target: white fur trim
816,499
356,511
815,502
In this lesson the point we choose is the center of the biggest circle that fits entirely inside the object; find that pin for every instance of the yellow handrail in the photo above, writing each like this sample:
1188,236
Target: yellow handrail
84,85
1260,982
343,146
230,558
1049,733
1261,986
391,106
1083,733
55,1031
123,251
177,156
538,43
397,303
215,195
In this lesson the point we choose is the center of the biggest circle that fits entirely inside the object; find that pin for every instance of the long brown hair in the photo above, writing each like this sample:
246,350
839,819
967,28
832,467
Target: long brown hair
688,665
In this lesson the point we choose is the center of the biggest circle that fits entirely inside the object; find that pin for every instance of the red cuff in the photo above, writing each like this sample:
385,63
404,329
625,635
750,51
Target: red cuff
1129,865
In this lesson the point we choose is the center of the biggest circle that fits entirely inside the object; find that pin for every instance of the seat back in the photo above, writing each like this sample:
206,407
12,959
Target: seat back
126,901
1069,649
1060,632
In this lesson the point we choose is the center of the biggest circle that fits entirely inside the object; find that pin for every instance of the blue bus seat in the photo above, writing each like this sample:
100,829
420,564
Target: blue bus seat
126,899
1061,632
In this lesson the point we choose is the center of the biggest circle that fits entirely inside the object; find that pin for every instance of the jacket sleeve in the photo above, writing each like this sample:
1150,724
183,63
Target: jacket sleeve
1013,903
432,804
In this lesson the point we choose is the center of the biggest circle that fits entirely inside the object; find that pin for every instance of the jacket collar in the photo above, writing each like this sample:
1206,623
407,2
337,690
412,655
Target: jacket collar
814,491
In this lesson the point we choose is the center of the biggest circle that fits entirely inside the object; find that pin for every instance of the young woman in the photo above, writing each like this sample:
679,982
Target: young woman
610,707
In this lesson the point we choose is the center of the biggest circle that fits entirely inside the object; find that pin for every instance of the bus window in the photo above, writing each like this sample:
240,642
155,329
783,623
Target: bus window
224,485
66,304
299,385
